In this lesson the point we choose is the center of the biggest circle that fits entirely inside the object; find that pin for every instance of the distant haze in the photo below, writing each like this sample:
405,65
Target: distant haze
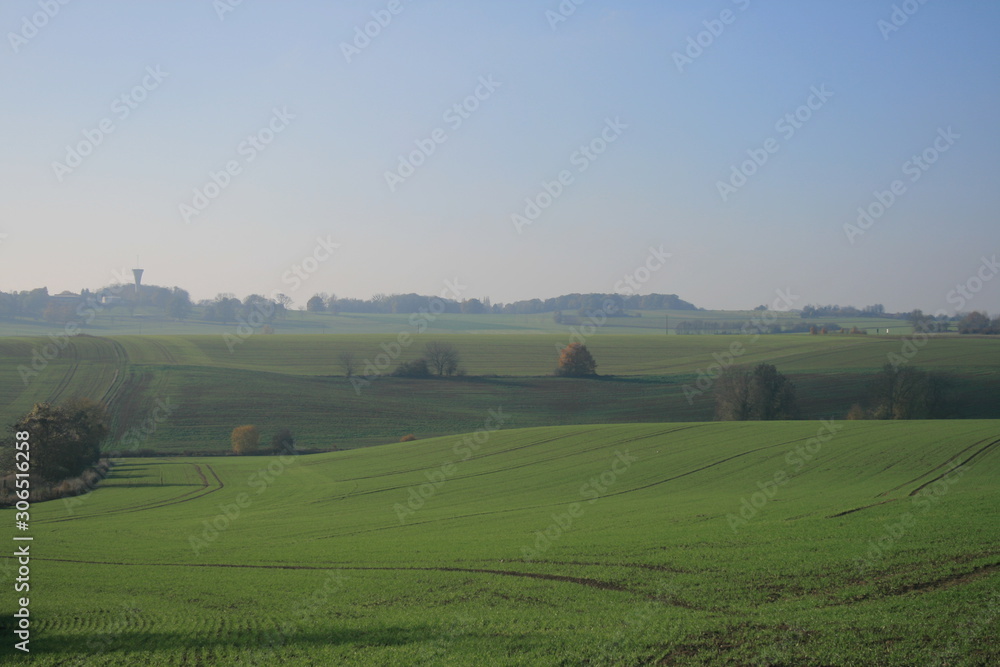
840,152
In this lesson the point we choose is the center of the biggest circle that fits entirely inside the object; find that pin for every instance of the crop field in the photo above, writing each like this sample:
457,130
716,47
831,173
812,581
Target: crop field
120,322
279,381
808,542
522,355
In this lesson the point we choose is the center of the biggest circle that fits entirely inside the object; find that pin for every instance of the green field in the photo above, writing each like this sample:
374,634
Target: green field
120,322
278,381
790,543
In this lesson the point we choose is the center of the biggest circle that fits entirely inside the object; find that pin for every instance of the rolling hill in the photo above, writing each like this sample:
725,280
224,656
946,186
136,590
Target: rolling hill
187,393
815,543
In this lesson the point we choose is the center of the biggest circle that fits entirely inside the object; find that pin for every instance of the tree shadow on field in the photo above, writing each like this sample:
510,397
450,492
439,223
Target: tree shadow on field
141,485
492,380
632,379
133,469
263,639
148,464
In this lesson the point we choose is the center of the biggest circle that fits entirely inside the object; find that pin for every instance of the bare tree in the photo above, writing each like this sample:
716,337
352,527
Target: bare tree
759,394
442,357
772,395
283,442
732,394
412,369
284,303
905,392
346,360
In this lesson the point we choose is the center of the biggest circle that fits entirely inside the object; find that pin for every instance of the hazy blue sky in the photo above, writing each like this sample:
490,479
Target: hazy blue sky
198,80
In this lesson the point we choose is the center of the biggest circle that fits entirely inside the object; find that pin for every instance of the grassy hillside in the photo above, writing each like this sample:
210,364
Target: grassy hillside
296,382
699,543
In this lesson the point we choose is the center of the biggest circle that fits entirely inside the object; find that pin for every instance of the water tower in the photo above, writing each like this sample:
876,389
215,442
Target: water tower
138,279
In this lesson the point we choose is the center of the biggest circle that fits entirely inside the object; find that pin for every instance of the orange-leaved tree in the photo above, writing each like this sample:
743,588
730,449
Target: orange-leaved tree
245,439
575,360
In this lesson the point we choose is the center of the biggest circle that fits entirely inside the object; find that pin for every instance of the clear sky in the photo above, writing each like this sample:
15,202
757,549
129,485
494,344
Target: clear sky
116,113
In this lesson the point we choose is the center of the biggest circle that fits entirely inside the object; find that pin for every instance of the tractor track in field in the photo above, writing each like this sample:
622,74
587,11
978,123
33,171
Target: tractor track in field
421,468
705,467
964,463
563,578
501,470
810,356
949,580
167,355
546,505
864,507
188,496
67,378
644,566
114,394
940,583
516,509
942,465
118,380
979,452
